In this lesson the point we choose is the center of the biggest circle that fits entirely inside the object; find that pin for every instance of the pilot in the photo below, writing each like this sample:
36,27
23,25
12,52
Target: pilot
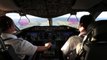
22,47
69,48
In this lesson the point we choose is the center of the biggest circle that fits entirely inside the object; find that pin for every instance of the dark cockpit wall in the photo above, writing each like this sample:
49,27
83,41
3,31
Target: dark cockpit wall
50,9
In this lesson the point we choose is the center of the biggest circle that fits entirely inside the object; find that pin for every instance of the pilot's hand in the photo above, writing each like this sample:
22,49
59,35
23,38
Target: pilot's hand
48,45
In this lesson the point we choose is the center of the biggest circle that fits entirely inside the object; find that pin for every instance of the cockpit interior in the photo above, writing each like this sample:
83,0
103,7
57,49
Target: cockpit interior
42,21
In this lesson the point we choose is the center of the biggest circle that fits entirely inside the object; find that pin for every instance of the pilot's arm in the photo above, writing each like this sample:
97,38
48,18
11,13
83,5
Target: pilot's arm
45,47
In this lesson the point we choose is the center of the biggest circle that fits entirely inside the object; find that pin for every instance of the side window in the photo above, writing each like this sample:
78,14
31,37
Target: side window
102,16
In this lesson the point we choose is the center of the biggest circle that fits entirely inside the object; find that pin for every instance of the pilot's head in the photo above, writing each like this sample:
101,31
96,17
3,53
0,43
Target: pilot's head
85,21
6,24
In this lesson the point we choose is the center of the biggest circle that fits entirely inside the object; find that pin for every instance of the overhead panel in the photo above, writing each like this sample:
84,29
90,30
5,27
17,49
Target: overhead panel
85,4
45,8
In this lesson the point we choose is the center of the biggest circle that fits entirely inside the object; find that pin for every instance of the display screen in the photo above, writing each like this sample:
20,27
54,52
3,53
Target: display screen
47,36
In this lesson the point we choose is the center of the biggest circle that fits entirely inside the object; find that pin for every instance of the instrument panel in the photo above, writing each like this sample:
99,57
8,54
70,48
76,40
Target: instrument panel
49,33
57,35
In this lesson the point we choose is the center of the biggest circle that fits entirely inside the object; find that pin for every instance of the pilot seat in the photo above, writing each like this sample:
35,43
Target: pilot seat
95,43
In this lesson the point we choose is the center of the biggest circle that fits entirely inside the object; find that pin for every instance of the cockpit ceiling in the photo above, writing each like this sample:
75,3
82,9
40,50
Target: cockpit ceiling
50,8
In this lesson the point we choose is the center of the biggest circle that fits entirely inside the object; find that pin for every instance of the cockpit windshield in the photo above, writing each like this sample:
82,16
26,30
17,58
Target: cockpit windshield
26,21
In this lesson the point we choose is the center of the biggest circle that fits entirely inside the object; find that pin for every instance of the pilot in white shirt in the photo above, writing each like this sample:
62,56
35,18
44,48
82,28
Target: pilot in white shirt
21,46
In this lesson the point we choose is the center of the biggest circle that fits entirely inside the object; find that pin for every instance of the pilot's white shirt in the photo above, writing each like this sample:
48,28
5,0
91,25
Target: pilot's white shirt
70,44
21,46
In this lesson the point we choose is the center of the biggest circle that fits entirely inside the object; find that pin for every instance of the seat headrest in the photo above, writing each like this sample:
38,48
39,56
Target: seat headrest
100,27
99,30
